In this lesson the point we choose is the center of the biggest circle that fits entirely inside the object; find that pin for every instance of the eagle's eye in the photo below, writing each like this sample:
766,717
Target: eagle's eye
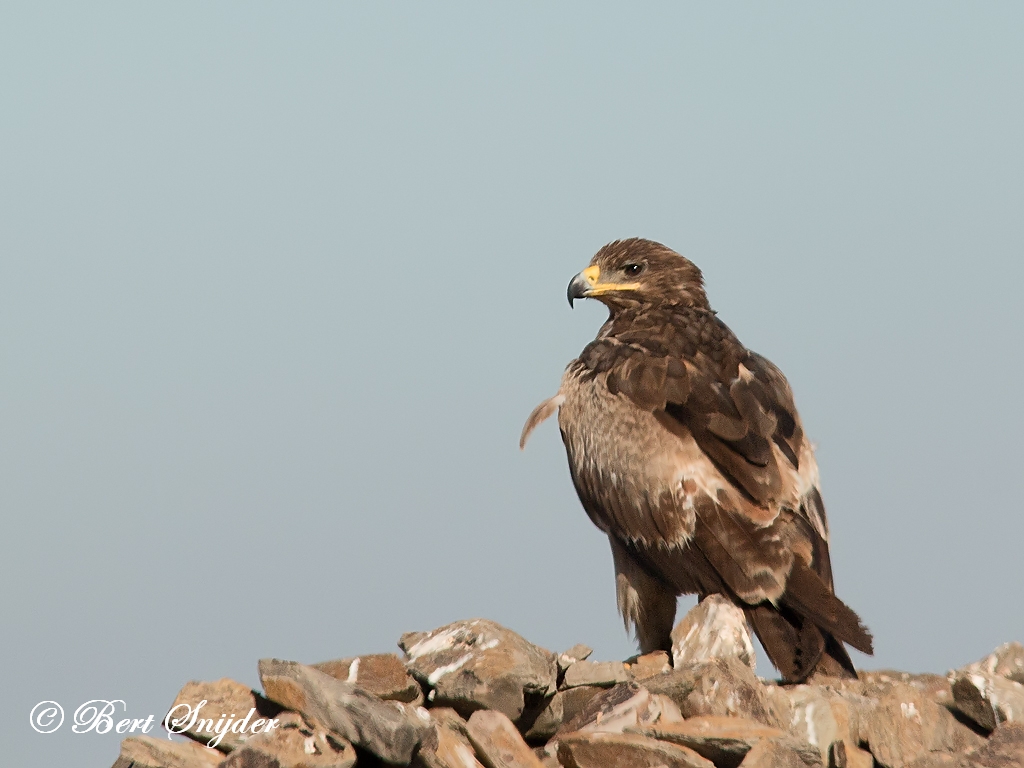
633,269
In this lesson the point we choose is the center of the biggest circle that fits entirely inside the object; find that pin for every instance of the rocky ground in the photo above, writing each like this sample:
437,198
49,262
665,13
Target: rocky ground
474,694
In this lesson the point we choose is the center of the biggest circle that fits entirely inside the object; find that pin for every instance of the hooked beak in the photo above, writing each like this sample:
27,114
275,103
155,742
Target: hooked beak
581,286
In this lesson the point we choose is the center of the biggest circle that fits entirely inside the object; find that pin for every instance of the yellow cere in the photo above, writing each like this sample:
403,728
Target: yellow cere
593,273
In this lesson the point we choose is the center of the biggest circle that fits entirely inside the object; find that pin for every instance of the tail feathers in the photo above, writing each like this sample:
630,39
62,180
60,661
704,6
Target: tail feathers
804,634
810,597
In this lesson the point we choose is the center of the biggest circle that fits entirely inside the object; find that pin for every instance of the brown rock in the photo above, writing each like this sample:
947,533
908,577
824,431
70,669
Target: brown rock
726,740
498,743
845,754
648,665
715,628
821,716
941,760
724,686
879,683
215,700
1004,748
603,674
778,701
1005,661
770,754
147,752
987,699
625,750
478,664
906,726
446,744
382,674
626,705
388,729
557,709
296,744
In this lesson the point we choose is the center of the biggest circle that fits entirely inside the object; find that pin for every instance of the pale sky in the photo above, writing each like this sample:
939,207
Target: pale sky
279,285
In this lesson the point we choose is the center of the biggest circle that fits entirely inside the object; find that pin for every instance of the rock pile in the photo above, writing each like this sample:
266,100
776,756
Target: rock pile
474,694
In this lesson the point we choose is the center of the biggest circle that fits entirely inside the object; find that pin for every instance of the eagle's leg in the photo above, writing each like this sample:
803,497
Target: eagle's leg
645,602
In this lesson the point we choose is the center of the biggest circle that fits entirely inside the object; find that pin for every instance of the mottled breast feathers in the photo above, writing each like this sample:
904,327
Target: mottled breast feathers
685,366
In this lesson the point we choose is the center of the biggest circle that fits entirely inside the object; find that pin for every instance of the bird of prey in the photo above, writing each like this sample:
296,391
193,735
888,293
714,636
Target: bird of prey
686,449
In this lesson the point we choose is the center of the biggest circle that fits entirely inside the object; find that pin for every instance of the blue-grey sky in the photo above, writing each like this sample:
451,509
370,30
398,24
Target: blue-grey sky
280,283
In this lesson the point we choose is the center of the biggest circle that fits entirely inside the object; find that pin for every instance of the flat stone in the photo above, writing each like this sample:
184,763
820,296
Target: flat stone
627,705
1005,661
478,664
726,740
625,750
769,754
295,744
906,726
879,683
650,664
382,674
498,743
446,744
723,686
941,760
578,652
715,628
987,699
600,673
148,752
389,729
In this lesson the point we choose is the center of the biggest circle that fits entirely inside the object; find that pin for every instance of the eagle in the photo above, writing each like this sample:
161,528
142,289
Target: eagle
686,449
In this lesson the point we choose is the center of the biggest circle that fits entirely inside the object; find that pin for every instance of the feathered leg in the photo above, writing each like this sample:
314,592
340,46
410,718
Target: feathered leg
645,602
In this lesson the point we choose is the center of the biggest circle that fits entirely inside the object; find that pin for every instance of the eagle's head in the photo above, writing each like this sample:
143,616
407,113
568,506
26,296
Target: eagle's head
637,272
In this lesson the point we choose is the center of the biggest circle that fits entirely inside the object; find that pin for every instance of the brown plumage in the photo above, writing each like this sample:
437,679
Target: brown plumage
686,449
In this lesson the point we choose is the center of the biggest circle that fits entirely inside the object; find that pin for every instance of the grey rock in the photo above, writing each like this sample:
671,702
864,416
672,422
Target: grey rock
382,674
478,664
625,750
578,652
148,752
714,628
389,729
723,686
988,699
498,743
600,673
